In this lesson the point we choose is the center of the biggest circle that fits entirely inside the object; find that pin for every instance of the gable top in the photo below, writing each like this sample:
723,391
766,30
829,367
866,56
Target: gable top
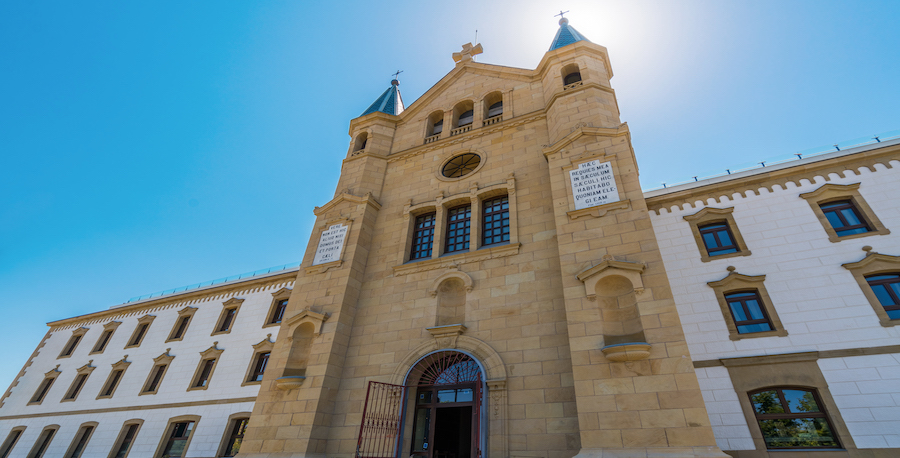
566,35
389,102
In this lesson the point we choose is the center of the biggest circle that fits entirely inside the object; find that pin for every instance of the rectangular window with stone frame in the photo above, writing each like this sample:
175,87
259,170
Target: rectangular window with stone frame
747,310
843,212
122,446
11,441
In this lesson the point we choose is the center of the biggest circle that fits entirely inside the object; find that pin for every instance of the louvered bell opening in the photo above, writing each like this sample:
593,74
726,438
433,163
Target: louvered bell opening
495,110
572,78
438,127
466,118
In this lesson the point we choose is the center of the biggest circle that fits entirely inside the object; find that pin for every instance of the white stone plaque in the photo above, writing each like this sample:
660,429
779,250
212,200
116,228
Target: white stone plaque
593,183
330,244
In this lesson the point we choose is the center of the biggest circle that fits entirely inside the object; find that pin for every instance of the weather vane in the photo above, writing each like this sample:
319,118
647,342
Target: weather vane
561,13
397,74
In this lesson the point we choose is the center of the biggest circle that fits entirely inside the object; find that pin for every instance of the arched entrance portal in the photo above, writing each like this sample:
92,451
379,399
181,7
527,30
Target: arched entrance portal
437,413
447,413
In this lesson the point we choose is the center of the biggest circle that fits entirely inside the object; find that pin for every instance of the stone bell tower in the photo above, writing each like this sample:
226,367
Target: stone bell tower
635,387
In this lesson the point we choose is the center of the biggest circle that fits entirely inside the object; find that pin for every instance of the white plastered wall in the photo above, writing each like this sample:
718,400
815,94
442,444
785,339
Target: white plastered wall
818,301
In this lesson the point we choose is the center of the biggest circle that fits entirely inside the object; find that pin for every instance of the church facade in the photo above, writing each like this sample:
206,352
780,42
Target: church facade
490,280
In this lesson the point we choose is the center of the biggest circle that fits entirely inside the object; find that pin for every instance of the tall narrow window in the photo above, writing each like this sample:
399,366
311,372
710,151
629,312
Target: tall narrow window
115,376
458,228
496,221
228,316
108,330
278,312
42,390
77,384
718,239
749,315
792,418
205,371
181,324
126,437
235,432
259,361
155,377
844,218
71,345
10,441
887,289
259,368
140,331
177,441
423,237
111,384
205,368
79,443
43,441
102,341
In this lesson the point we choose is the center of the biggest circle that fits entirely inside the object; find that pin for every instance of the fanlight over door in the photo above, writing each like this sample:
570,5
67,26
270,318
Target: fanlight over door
447,390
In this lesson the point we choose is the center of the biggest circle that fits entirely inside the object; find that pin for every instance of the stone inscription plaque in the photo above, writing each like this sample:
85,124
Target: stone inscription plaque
593,183
330,244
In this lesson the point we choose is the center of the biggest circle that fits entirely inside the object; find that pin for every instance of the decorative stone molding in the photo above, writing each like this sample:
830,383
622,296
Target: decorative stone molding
599,210
831,192
874,263
165,360
264,346
367,199
466,279
185,312
211,353
317,319
627,351
446,336
494,368
289,382
735,282
322,268
710,215
610,267
466,257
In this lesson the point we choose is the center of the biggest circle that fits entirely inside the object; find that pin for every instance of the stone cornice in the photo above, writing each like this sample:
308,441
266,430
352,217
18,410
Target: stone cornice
580,131
721,189
177,299
444,262
347,197
474,133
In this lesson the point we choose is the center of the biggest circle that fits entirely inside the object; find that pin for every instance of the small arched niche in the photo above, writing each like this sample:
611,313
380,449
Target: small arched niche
451,302
614,286
463,114
360,143
493,105
301,344
617,301
435,124
571,74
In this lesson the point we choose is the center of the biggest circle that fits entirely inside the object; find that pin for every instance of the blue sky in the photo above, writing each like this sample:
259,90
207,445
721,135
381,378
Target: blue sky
145,146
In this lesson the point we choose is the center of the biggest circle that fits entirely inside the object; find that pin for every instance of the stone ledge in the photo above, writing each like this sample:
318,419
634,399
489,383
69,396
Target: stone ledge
443,262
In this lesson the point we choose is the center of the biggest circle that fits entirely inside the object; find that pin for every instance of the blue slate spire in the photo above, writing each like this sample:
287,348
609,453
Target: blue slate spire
389,102
566,35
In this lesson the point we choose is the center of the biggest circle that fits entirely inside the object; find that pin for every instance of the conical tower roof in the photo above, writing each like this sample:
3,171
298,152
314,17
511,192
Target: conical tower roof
389,102
566,35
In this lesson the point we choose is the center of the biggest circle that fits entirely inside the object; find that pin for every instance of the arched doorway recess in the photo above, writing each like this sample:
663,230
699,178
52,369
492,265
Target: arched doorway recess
437,413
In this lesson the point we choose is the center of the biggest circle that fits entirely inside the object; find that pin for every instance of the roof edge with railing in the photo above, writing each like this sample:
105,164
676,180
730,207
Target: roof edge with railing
232,279
845,148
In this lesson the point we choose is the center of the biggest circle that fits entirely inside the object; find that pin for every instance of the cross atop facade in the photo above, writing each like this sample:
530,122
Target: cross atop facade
468,53
561,13
397,73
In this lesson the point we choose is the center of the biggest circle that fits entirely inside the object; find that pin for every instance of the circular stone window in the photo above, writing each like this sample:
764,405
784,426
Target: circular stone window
460,166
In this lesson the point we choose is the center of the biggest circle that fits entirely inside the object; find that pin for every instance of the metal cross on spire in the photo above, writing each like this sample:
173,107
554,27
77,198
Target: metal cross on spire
561,13
397,74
